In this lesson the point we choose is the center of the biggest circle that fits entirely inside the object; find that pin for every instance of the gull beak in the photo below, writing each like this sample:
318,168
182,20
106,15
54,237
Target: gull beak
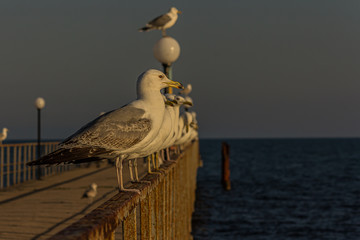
188,103
175,102
179,12
175,84
194,125
170,103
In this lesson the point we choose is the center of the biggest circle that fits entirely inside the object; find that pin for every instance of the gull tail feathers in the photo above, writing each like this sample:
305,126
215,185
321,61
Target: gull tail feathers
145,29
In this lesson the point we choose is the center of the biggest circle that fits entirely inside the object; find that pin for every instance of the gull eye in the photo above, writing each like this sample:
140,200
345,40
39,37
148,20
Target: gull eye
161,76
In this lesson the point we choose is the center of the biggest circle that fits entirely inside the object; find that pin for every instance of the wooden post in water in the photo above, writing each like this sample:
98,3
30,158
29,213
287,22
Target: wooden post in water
226,166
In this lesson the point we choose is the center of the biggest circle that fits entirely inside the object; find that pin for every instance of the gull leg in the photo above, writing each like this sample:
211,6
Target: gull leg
131,170
149,164
157,162
136,170
167,154
119,168
160,158
149,159
153,160
163,31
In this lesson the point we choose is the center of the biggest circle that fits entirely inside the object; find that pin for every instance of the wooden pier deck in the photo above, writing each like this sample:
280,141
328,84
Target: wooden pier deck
39,209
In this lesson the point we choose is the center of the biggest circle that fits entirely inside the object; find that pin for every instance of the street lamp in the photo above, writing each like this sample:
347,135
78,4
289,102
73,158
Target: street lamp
39,104
167,51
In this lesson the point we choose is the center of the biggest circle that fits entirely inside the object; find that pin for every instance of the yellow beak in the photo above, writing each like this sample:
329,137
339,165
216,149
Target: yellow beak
179,12
175,84
170,103
188,103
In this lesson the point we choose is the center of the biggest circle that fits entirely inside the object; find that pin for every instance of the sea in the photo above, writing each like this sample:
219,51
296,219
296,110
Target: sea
280,189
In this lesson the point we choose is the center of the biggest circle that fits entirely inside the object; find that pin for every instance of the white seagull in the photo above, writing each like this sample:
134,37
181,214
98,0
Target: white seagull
162,22
119,133
3,135
178,122
155,145
90,192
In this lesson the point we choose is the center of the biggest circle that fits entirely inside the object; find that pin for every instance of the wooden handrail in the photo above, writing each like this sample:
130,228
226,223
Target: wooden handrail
165,206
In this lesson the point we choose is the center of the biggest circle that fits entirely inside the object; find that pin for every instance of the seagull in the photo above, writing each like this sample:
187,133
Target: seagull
117,134
3,135
177,122
156,144
188,100
90,192
162,22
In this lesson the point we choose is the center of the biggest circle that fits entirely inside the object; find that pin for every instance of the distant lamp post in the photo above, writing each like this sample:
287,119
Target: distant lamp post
167,51
39,104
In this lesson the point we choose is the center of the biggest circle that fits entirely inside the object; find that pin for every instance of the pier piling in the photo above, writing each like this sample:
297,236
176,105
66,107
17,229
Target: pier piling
225,179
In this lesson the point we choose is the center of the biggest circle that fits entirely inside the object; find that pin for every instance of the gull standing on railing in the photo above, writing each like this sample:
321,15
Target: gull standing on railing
118,133
3,135
189,131
90,192
153,147
162,22
177,125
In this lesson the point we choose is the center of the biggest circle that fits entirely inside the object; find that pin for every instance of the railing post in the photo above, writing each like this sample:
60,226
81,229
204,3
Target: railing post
157,212
152,220
19,164
14,165
28,159
2,149
24,163
129,226
145,217
8,167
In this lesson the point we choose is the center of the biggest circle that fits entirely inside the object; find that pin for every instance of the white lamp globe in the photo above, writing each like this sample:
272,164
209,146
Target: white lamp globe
39,103
167,50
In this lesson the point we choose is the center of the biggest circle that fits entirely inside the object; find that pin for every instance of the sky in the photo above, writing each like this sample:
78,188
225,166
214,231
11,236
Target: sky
259,68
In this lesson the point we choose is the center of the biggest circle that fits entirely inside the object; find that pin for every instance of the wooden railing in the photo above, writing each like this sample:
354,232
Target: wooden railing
13,159
163,210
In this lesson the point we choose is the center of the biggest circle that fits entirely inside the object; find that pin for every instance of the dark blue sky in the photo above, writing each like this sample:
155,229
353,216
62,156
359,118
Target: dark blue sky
258,68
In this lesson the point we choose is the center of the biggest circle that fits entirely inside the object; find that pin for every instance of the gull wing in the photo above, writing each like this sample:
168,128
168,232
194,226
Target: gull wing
103,137
160,21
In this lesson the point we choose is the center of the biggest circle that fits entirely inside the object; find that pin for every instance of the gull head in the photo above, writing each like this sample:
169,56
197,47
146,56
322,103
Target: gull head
155,80
93,186
170,98
5,130
179,100
168,102
188,102
174,10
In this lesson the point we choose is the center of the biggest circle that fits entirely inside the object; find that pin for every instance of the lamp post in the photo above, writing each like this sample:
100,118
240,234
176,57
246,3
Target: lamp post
167,51
39,104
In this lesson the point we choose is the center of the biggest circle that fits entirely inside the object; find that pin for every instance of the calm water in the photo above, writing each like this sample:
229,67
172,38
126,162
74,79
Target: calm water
281,189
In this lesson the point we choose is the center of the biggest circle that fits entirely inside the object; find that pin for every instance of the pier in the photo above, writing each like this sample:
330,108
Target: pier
53,209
